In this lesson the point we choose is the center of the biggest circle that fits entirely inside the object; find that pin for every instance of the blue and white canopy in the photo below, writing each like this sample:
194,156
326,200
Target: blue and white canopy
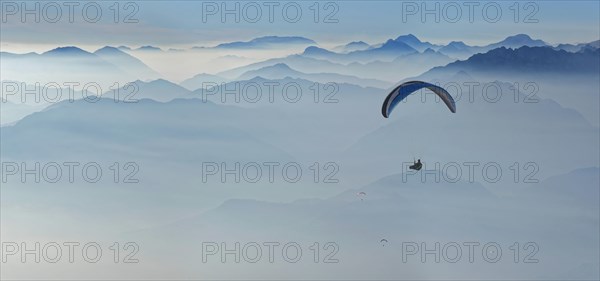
405,89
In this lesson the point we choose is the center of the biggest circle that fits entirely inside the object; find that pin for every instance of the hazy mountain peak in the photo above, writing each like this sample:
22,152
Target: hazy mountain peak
460,50
68,50
204,74
356,43
315,50
157,83
579,47
352,46
395,48
283,39
519,40
408,37
267,72
108,49
414,42
520,36
161,81
457,44
148,48
267,41
391,44
524,60
126,62
159,90
282,66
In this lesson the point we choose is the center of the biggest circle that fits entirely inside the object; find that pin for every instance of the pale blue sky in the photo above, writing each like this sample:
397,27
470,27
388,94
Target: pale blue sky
180,23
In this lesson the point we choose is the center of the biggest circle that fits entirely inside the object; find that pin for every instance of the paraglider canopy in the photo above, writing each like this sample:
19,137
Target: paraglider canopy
405,89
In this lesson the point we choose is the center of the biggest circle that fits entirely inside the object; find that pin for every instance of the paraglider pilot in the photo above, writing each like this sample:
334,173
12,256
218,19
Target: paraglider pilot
416,166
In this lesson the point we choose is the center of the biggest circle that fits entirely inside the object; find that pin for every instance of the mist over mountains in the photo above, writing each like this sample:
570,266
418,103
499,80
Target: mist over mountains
523,105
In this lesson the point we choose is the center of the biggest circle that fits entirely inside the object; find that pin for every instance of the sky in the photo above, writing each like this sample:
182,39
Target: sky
183,24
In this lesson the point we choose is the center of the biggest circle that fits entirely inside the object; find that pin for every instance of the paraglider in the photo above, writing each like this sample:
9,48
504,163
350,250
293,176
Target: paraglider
361,194
405,89
383,242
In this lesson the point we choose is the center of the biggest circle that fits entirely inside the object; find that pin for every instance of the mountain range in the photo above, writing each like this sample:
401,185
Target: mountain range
281,71
128,63
536,60
158,90
106,66
266,42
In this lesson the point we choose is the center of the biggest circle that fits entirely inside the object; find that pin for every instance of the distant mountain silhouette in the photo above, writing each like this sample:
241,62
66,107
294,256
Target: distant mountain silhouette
457,49
315,59
516,41
385,52
267,42
63,64
391,48
352,46
534,60
460,50
127,62
408,44
281,71
298,62
578,47
70,51
158,90
316,52
415,43
149,48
